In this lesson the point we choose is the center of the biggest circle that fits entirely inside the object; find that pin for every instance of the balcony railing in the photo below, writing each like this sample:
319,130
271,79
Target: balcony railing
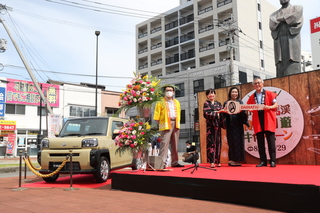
187,37
171,60
143,66
143,50
141,35
156,46
171,25
220,4
187,19
207,28
205,10
208,47
159,61
172,41
155,30
187,55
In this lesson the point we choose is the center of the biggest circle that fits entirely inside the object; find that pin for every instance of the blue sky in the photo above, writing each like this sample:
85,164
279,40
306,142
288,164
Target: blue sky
61,39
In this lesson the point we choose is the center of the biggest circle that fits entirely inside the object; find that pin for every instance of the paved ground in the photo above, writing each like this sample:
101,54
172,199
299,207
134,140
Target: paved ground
14,199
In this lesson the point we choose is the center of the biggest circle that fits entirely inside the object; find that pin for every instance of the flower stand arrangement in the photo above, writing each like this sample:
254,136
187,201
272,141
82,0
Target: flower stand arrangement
142,92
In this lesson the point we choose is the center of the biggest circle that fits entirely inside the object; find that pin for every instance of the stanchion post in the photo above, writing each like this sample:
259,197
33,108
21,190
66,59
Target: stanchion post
25,165
71,168
20,168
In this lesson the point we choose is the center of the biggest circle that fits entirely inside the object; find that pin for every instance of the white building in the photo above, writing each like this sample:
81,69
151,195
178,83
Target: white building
205,44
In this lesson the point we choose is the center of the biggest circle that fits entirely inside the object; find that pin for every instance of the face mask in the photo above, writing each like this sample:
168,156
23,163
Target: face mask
188,147
169,94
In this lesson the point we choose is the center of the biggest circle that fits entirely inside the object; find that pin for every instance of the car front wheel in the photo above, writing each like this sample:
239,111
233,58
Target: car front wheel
51,179
102,170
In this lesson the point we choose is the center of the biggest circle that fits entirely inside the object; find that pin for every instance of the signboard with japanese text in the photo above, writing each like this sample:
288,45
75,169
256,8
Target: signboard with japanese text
10,144
54,125
289,127
25,92
315,25
2,101
7,125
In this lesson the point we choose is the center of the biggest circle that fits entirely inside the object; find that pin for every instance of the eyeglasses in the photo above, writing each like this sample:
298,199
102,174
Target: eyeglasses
257,83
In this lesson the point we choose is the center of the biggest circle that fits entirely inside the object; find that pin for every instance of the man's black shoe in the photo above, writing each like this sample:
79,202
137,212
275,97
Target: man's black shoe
178,165
261,164
272,164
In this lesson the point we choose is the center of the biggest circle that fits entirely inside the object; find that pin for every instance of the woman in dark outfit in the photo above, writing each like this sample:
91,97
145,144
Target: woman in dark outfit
214,122
234,128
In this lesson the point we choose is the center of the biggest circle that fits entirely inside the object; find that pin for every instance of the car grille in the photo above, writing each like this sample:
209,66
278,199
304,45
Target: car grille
54,165
64,154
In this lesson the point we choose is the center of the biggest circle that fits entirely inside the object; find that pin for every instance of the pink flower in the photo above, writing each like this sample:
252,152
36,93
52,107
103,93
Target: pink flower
133,137
142,133
152,89
132,145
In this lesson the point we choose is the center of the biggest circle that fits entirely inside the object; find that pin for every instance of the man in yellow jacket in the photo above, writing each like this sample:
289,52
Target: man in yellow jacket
167,115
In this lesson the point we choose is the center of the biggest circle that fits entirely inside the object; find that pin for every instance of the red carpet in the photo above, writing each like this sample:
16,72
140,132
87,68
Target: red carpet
291,174
78,181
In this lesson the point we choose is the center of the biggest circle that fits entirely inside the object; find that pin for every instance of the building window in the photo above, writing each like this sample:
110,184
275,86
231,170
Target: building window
262,63
260,26
43,111
261,45
242,77
198,86
183,116
111,111
179,92
15,109
219,82
259,7
79,111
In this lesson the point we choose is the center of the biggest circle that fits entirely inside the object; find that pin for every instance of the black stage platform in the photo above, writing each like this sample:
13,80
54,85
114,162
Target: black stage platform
280,196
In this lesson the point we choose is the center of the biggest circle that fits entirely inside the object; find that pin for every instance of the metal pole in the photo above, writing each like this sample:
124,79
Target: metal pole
26,65
20,167
96,104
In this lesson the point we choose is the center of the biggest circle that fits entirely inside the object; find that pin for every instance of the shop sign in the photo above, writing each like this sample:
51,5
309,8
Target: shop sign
10,144
25,92
2,101
7,125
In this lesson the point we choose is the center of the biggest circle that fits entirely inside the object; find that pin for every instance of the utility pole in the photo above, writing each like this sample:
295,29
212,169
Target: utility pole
36,84
230,31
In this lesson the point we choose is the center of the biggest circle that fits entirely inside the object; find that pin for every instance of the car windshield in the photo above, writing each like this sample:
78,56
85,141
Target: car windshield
85,126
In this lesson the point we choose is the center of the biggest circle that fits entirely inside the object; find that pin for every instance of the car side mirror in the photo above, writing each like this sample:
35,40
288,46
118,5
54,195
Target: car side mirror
115,133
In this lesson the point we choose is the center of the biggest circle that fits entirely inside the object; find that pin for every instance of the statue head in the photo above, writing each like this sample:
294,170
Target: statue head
284,2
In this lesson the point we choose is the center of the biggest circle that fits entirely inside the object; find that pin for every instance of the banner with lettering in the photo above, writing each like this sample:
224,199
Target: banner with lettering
25,92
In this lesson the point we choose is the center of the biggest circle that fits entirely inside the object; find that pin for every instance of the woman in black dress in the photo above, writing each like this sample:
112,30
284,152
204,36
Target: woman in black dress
211,112
234,128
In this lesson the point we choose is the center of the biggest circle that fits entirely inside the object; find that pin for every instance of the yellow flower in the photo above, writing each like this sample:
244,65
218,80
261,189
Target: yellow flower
121,95
144,94
145,77
155,83
147,125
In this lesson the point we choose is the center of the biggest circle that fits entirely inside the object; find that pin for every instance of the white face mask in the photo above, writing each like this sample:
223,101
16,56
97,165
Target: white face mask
169,94
188,147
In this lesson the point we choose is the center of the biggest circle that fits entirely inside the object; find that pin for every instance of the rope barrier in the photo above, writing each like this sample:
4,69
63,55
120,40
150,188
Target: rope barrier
31,167
35,168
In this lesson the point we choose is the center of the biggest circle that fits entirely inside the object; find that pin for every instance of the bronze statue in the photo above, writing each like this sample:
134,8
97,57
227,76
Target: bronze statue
285,25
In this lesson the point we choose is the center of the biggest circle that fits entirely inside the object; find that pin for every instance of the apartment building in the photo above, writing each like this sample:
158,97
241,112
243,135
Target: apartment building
205,44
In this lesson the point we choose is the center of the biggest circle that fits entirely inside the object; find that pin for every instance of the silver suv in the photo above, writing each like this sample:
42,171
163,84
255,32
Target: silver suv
91,140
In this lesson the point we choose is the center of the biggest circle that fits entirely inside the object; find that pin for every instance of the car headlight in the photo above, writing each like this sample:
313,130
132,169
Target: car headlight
45,143
89,142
